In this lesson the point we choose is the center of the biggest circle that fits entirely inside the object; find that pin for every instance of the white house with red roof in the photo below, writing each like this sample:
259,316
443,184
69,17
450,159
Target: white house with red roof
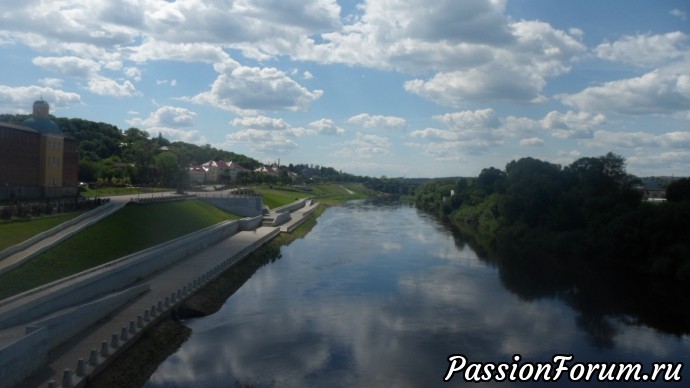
216,171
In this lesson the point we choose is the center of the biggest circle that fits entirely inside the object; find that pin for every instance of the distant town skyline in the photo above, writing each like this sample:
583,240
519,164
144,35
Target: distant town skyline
376,87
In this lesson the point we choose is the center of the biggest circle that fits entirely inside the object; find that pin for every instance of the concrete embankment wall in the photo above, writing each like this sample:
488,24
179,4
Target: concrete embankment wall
109,277
244,206
21,358
281,215
307,203
291,207
121,340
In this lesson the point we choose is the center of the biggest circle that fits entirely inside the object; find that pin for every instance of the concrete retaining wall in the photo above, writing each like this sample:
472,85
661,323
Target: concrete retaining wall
294,226
281,218
62,327
250,223
123,339
111,276
248,206
291,207
19,359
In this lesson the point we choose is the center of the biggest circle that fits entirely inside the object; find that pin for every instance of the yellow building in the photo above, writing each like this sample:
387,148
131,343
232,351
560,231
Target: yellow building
36,158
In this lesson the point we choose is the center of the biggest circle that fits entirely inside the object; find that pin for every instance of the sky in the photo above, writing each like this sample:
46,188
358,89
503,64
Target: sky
393,88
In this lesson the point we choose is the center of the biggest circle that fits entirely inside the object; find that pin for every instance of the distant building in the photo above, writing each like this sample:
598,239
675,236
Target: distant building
652,192
216,171
36,159
270,170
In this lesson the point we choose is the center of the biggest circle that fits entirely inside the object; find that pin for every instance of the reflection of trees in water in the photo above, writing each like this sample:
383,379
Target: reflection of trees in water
600,295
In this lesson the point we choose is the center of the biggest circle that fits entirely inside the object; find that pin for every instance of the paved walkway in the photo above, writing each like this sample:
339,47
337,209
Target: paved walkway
162,285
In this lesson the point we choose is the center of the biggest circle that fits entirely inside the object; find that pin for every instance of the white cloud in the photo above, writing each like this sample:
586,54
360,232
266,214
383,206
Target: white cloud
572,125
51,82
464,126
260,122
467,132
639,139
677,139
133,72
645,50
69,66
660,163
377,121
89,69
171,82
248,90
263,141
657,92
679,13
532,142
326,127
188,136
365,146
263,123
108,87
171,121
515,73
166,116
156,50
18,99
470,120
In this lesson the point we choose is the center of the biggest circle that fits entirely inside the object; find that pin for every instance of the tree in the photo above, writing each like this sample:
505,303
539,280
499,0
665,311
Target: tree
533,187
168,169
678,190
491,180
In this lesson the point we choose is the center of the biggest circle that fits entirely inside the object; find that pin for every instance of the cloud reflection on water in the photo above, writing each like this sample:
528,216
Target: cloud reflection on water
338,310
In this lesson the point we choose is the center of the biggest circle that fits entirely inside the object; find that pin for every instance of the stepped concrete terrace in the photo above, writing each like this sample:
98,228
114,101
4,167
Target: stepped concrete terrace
66,346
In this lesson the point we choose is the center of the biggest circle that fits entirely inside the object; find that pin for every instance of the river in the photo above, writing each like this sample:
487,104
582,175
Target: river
379,295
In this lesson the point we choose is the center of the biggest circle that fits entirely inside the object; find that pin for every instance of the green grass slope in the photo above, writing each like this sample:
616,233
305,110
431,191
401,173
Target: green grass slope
131,229
13,233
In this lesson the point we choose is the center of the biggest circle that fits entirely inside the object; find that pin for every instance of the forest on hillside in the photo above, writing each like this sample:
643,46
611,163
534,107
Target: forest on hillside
589,212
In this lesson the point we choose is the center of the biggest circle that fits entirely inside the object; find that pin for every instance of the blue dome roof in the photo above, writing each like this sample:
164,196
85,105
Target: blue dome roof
43,125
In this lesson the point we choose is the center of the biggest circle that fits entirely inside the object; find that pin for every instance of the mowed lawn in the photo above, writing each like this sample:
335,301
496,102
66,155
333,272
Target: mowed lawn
278,196
131,229
13,233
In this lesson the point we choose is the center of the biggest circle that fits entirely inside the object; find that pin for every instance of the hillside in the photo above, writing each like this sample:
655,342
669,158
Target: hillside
140,226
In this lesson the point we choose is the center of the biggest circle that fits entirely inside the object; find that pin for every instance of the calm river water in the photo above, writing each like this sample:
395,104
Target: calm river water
379,295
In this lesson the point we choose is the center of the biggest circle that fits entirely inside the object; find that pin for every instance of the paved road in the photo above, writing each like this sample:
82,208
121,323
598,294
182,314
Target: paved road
162,284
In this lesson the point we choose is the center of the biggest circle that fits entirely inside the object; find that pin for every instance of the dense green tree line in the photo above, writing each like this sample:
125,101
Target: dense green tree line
587,212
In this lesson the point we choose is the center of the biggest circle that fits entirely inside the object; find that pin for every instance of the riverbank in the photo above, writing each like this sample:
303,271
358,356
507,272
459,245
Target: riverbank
134,367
